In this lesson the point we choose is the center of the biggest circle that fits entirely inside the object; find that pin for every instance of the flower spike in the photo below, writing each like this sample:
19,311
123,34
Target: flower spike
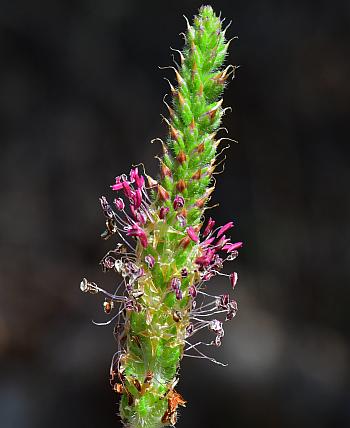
166,256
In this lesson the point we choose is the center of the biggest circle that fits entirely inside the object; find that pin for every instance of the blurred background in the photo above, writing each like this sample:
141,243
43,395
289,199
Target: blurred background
80,98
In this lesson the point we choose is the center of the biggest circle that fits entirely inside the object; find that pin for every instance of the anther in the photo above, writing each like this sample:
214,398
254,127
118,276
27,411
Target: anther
86,286
108,306
177,316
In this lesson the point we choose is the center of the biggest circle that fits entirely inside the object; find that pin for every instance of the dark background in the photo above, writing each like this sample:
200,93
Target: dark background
80,98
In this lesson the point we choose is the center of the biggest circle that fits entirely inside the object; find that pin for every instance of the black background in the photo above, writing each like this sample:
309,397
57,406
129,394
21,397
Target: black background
80,98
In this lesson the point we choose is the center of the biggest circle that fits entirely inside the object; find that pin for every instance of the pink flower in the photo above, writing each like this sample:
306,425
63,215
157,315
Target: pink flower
223,229
192,234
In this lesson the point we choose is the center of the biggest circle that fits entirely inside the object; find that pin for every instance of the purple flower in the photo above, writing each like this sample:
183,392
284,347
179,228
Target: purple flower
141,217
215,326
192,234
217,341
108,262
222,242
189,329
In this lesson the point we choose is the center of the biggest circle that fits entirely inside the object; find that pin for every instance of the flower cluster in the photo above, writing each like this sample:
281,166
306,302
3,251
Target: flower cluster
215,248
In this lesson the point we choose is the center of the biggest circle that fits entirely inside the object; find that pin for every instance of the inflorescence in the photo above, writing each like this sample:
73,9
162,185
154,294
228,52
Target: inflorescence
167,253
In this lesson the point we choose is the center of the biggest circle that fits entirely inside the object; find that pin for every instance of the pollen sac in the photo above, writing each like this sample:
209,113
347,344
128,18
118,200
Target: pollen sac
84,285
108,306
